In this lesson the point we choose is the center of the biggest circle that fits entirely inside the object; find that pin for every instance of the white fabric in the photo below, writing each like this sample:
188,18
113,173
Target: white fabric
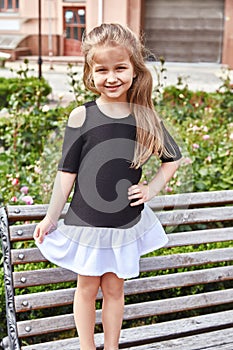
93,251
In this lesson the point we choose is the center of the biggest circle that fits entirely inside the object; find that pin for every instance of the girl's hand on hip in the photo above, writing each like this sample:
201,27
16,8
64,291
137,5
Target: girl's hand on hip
42,229
139,193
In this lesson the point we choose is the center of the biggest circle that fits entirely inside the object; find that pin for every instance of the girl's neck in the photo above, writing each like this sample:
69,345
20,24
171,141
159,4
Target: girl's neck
114,109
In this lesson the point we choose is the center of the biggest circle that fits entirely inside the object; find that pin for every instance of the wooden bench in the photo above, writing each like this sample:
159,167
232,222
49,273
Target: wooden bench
182,301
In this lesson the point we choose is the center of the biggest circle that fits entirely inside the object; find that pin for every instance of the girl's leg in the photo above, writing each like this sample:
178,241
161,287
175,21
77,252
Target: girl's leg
113,309
84,310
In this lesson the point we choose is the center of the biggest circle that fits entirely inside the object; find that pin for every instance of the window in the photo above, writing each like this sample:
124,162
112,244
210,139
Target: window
9,5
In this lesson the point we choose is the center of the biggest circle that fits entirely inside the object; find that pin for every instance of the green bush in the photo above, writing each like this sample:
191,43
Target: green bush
27,89
203,125
4,92
28,143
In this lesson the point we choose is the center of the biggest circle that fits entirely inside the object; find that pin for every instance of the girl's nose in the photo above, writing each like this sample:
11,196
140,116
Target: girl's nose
112,77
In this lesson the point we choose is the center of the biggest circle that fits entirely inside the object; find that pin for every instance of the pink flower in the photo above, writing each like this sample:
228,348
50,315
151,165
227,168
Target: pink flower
195,128
187,160
168,189
206,137
37,169
24,189
208,159
15,181
195,146
14,199
28,200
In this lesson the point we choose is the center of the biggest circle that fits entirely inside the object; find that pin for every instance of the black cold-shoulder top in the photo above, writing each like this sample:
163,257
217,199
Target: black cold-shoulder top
101,152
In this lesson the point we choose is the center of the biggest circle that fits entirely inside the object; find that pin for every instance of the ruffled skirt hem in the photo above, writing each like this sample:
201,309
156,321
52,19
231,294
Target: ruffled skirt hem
94,251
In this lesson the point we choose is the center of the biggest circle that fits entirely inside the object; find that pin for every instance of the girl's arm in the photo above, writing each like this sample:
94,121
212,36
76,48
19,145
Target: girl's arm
144,193
62,187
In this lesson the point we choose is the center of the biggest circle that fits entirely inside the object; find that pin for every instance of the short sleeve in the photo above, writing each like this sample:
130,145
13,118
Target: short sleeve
71,150
170,146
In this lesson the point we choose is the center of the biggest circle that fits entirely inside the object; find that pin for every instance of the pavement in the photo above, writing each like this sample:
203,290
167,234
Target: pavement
198,76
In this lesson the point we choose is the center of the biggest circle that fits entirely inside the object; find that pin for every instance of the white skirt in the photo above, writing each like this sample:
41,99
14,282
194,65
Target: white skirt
93,251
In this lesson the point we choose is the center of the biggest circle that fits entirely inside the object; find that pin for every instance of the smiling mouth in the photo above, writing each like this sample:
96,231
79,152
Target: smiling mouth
113,87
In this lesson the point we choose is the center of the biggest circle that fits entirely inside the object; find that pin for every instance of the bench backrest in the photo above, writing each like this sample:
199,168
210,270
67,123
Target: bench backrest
193,272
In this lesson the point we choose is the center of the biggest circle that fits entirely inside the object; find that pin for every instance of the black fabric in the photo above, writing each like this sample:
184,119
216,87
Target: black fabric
101,152
71,150
171,147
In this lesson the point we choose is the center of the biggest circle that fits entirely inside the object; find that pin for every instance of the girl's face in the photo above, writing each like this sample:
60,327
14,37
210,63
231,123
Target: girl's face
112,73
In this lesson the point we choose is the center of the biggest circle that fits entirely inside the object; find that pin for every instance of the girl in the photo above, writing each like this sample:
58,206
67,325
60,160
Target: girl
108,225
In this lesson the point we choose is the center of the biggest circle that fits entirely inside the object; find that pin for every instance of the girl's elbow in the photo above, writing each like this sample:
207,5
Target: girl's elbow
170,168
173,164
178,162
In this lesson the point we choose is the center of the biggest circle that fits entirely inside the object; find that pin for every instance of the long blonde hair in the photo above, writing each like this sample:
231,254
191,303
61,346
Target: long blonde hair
149,134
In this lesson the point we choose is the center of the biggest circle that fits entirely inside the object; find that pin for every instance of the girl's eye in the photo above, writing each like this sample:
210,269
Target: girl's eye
121,68
100,70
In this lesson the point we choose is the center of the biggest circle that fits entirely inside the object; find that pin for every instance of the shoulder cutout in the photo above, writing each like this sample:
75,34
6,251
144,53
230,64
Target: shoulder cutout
77,117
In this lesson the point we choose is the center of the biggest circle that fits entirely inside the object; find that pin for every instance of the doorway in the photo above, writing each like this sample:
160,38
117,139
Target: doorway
74,27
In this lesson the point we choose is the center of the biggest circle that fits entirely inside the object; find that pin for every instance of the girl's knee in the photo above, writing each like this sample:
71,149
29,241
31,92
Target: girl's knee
109,293
88,286
112,286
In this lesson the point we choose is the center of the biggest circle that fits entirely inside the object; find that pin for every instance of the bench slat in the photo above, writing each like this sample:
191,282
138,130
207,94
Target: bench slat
22,232
184,200
141,285
155,332
178,328
216,340
185,259
23,212
133,311
46,299
23,256
27,278
169,218
29,212
197,237
24,279
178,304
25,232
194,216
48,325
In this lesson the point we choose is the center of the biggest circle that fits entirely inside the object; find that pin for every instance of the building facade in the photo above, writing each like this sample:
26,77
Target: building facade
178,30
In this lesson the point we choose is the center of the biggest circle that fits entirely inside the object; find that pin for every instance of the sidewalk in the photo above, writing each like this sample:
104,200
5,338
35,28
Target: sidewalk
198,76
54,71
